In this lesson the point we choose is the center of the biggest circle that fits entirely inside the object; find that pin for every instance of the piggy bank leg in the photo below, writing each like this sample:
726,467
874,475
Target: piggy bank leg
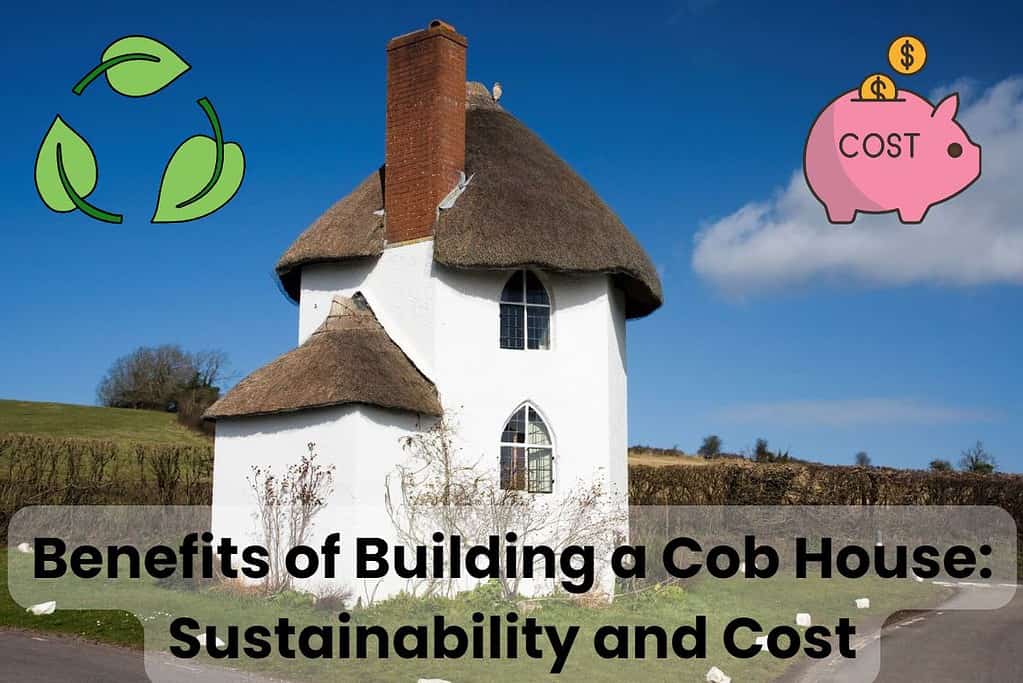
839,213
912,214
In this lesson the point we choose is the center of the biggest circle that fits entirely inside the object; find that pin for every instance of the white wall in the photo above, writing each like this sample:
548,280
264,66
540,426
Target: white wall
398,287
482,384
447,322
362,443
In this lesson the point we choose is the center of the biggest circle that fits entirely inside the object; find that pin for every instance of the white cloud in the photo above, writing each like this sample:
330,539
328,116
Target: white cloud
977,238
965,86
852,412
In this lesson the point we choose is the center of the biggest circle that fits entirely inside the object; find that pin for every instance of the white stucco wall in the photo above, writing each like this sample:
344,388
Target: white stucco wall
398,286
570,384
447,322
362,443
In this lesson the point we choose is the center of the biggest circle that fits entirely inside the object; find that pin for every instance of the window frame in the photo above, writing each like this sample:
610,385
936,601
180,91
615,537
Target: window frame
522,453
525,307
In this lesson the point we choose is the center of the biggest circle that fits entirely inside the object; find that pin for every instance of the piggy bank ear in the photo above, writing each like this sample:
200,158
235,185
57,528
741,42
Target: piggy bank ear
947,108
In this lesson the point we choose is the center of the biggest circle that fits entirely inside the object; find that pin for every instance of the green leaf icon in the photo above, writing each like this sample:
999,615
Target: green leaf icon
136,66
66,172
202,175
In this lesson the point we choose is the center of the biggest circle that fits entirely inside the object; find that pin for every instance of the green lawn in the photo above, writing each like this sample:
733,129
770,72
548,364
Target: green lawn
120,628
720,600
61,420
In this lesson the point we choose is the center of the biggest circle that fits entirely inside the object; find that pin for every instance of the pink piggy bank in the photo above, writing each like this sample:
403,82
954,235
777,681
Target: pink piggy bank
877,156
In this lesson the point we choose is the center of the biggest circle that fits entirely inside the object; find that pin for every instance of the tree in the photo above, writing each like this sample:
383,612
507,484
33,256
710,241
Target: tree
862,459
977,460
761,451
939,465
711,446
162,377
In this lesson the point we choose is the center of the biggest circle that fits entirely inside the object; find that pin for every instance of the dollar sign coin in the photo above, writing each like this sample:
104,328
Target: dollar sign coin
877,87
907,54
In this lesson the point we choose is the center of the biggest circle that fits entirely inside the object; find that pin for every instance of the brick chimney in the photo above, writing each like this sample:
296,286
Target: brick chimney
425,127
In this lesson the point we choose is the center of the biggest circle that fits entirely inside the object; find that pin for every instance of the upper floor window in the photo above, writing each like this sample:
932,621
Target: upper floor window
527,453
525,313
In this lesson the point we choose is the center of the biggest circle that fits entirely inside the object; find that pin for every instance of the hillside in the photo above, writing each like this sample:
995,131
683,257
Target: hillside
666,457
120,425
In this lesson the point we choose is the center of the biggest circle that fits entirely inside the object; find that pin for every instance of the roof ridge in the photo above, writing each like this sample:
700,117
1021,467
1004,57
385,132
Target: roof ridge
478,96
349,313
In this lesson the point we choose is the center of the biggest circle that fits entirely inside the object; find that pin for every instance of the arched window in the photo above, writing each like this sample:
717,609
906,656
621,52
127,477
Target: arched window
527,453
525,313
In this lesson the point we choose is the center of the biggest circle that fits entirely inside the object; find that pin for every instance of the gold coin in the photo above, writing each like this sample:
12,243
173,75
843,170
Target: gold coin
877,87
907,54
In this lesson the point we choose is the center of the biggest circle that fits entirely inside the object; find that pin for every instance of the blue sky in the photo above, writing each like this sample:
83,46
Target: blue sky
688,117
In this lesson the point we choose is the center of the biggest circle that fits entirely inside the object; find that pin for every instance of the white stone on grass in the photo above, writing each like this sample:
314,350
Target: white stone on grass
24,548
803,619
216,641
862,603
716,675
43,608
761,641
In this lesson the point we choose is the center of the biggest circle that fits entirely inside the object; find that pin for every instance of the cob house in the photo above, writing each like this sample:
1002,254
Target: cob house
475,275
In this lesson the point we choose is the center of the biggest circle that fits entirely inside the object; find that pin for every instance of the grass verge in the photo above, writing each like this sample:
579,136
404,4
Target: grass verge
772,603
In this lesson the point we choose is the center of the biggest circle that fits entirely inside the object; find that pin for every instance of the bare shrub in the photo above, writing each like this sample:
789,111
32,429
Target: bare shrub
439,489
286,505
165,468
43,470
333,598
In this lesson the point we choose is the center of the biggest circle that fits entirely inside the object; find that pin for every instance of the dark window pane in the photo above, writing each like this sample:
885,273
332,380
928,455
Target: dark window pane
535,293
513,468
515,430
538,319
541,474
513,290
512,324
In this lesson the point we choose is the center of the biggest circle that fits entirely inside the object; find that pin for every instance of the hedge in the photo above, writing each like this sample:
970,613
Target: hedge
809,484
41,470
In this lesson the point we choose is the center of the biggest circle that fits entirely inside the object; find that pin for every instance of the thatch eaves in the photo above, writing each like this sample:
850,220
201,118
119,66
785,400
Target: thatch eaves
524,207
350,358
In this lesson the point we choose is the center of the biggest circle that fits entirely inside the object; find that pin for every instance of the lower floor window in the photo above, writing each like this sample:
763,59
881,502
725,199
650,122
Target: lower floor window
527,453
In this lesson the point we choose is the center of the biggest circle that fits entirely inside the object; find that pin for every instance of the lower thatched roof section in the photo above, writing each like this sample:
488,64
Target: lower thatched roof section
349,359
524,207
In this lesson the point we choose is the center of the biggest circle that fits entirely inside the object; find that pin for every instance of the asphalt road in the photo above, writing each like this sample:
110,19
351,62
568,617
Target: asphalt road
39,658
942,645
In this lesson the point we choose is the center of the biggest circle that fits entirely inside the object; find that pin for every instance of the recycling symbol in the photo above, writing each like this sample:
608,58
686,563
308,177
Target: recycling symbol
202,175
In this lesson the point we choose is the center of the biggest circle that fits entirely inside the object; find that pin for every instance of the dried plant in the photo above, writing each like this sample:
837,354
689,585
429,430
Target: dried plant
439,489
286,505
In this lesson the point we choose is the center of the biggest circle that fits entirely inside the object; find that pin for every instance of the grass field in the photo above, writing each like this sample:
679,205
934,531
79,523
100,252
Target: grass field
62,420
641,456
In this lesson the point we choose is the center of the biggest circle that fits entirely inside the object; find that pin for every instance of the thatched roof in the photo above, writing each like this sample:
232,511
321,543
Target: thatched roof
524,207
350,358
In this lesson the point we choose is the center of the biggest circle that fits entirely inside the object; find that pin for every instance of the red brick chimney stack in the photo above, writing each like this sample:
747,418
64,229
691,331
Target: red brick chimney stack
425,149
